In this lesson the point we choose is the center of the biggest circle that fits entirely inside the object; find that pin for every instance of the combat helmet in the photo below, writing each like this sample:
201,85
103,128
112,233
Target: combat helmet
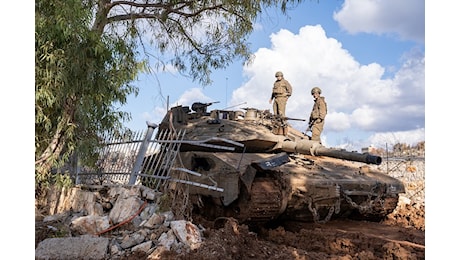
279,73
315,90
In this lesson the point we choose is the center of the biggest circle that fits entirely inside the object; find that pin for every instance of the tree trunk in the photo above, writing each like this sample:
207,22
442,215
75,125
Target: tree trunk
46,160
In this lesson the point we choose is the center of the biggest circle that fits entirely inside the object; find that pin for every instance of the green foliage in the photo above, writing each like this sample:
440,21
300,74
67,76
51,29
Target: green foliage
62,181
88,53
61,231
164,203
79,76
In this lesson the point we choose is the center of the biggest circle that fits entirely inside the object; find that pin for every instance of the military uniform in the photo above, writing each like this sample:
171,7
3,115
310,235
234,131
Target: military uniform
317,116
282,90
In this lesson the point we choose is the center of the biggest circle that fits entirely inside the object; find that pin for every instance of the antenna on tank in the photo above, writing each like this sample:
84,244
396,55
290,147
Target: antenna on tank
235,106
226,86
167,103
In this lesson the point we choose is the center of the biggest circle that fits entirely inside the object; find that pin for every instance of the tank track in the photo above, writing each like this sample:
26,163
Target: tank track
265,202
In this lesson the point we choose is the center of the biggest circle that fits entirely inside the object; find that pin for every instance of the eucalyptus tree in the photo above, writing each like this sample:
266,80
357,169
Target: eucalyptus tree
89,52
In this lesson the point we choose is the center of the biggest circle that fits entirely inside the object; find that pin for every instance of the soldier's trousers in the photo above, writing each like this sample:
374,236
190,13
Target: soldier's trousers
279,106
316,130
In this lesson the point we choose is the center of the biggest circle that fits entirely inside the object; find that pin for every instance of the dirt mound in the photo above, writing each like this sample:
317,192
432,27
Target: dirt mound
408,215
399,237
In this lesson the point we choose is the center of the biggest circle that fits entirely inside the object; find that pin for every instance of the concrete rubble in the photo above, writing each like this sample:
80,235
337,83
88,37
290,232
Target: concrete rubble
115,222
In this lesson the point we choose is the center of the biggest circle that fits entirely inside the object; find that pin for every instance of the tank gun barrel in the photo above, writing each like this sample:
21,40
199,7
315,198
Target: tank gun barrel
351,156
316,149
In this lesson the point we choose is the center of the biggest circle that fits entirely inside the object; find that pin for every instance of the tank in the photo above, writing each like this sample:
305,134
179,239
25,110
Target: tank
255,167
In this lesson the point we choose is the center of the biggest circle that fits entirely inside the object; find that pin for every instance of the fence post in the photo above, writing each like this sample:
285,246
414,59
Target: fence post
141,153
76,167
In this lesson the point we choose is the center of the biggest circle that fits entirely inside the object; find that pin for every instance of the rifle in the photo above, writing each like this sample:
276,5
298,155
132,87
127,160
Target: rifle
289,118
310,125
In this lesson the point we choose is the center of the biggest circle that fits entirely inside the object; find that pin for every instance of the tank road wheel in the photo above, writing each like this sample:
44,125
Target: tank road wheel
265,201
387,207
375,211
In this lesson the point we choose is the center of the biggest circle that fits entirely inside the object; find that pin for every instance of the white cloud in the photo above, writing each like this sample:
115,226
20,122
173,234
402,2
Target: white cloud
405,18
192,95
392,138
342,121
364,117
358,96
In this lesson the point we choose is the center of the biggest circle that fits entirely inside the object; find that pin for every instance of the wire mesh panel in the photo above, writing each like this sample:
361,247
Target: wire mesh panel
116,160
157,166
135,158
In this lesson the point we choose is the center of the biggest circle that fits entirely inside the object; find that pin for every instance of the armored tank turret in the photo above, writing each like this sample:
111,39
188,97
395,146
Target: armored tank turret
252,165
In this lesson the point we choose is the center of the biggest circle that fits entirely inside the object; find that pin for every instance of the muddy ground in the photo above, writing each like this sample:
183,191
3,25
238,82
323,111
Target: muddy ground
400,236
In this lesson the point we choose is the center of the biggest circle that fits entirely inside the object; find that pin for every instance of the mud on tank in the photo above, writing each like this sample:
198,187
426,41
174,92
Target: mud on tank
255,167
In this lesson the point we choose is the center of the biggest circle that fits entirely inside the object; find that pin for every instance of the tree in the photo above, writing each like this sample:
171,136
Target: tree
198,36
88,53
79,75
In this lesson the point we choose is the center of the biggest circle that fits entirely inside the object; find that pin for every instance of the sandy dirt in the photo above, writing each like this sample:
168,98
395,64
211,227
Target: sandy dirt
400,236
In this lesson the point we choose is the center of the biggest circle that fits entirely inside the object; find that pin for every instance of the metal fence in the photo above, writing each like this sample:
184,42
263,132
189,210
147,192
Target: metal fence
132,158
145,157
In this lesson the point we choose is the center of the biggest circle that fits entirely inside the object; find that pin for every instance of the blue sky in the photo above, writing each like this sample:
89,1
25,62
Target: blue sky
367,56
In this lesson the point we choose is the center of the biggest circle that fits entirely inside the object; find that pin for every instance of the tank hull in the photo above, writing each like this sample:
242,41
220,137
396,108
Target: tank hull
264,170
261,187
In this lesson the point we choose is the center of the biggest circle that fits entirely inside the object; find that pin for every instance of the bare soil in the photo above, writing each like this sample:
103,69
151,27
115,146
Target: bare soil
400,236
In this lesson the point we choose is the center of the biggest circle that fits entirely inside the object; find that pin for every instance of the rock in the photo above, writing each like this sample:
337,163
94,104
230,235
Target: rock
153,221
187,232
144,247
90,224
124,208
82,247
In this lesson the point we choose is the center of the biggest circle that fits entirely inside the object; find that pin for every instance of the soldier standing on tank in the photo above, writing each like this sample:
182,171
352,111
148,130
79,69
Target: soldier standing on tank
282,90
318,114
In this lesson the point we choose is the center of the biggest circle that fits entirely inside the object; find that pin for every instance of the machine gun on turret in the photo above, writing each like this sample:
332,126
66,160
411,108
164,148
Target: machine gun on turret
280,124
201,108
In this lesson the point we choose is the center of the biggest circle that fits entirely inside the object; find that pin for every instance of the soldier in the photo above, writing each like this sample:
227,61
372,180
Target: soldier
282,90
318,114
